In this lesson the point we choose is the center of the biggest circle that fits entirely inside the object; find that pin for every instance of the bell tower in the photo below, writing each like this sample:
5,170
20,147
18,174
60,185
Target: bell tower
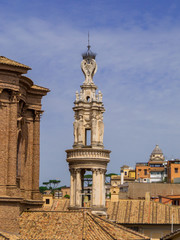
88,153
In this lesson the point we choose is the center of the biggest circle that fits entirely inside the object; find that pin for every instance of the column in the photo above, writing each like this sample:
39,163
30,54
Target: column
94,186
98,190
72,189
12,148
36,155
102,176
78,187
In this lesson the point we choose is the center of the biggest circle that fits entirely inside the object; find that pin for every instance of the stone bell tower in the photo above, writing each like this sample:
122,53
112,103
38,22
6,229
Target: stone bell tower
88,153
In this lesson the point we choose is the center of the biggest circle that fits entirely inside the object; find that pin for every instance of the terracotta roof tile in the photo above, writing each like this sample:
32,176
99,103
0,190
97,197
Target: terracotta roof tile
8,236
142,212
73,225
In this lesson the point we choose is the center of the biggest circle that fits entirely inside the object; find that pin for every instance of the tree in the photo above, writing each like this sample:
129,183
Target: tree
66,196
42,189
51,185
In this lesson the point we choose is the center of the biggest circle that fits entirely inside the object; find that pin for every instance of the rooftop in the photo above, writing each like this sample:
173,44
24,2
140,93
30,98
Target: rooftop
142,212
7,61
71,225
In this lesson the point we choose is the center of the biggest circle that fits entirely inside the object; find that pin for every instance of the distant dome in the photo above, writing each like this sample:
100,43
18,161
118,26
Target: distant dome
157,150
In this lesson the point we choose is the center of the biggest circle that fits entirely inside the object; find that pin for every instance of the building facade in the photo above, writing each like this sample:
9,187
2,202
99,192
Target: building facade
88,153
20,111
173,171
154,170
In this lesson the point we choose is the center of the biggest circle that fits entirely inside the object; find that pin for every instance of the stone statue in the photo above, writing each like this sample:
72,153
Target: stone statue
80,129
75,125
77,96
101,131
94,129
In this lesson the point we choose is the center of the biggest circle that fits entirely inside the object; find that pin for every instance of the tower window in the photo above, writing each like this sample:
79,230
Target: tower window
88,98
176,170
88,137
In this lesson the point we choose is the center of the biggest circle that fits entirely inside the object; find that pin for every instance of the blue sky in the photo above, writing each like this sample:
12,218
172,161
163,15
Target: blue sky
138,57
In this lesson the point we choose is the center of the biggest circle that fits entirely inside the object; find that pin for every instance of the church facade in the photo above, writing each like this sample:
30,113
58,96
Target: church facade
20,111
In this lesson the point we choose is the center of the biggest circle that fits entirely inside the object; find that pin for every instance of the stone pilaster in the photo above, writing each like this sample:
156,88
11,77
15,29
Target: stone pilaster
29,160
36,156
4,120
12,148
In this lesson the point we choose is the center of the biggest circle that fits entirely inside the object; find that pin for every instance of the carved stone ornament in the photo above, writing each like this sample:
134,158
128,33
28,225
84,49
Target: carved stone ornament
14,96
37,115
89,68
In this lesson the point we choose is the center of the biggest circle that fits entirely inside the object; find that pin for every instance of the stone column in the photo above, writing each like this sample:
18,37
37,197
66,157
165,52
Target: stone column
12,149
95,187
98,190
36,156
72,189
78,187
102,177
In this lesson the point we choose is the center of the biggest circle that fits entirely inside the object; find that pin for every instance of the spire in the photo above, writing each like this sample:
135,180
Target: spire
89,54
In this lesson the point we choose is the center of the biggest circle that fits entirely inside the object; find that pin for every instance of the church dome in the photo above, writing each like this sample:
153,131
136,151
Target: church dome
157,150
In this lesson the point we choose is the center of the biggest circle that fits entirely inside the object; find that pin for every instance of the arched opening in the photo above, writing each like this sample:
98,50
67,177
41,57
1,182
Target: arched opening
88,98
88,137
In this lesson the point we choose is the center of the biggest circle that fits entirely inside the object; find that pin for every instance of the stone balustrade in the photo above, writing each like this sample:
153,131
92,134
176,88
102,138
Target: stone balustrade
88,154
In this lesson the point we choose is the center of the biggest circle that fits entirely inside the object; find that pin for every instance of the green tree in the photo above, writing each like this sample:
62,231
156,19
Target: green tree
50,185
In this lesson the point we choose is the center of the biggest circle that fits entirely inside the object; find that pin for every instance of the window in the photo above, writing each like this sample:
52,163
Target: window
176,170
125,173
139,170
47,201
88,137
145,171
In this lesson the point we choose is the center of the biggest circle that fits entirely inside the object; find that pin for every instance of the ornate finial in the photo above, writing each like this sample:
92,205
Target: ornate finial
89,54
88,64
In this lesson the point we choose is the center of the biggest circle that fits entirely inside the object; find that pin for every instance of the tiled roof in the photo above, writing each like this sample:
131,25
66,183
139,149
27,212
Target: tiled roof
73,225
142,212
40,88
173,235
8,236
7,61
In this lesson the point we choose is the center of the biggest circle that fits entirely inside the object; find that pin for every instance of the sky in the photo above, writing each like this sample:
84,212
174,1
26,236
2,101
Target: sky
138,56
